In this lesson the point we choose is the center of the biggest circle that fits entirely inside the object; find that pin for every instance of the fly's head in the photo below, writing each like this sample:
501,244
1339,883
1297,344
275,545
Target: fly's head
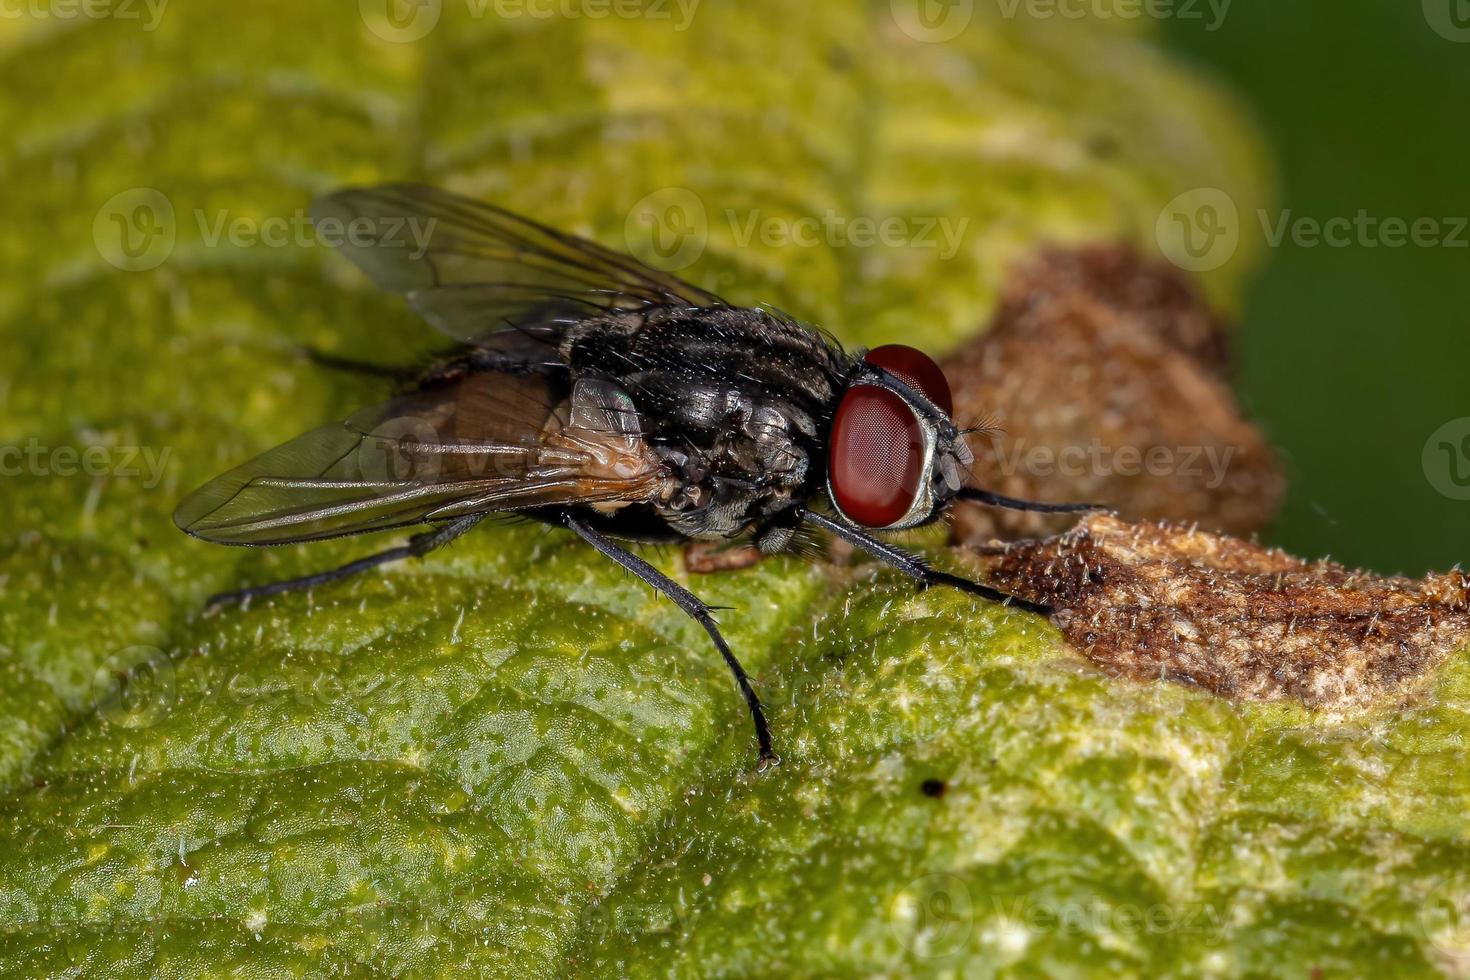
895,459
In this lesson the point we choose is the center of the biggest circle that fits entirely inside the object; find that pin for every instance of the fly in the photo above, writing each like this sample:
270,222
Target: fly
594,393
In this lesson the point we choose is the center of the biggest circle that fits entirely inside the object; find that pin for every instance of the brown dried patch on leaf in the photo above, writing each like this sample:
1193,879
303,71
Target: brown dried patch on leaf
1106,373
709,557
1155,601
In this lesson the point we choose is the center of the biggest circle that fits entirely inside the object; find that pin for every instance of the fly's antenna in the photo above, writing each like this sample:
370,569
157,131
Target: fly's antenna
980,496
988,424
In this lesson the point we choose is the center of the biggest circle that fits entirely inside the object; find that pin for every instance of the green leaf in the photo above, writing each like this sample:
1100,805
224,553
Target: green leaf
512,758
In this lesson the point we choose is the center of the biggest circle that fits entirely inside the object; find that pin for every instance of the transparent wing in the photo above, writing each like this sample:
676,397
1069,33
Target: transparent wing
471,268
485,442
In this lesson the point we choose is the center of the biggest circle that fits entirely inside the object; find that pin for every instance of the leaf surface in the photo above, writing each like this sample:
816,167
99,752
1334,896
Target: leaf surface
511,758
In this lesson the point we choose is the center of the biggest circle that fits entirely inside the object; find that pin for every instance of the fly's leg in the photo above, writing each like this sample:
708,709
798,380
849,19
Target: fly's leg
478,359
698,611
446,370
418,545
915,567
354,366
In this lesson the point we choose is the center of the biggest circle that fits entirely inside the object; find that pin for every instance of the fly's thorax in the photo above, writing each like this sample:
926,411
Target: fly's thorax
749,351
733,400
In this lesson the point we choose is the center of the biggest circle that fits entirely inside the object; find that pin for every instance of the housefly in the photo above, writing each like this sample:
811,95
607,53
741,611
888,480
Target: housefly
594,393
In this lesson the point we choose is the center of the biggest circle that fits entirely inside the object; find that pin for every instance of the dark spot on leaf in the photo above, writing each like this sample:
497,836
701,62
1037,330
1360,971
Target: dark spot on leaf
933,788
1104,146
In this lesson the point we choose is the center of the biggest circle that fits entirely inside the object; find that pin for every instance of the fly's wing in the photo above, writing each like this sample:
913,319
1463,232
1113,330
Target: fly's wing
486,442
471,268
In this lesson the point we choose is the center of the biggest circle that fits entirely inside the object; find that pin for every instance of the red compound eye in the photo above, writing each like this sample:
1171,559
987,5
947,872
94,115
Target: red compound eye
876,458
917,370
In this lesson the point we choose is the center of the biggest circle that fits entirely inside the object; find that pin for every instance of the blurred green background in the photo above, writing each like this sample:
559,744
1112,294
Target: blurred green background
1354,356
